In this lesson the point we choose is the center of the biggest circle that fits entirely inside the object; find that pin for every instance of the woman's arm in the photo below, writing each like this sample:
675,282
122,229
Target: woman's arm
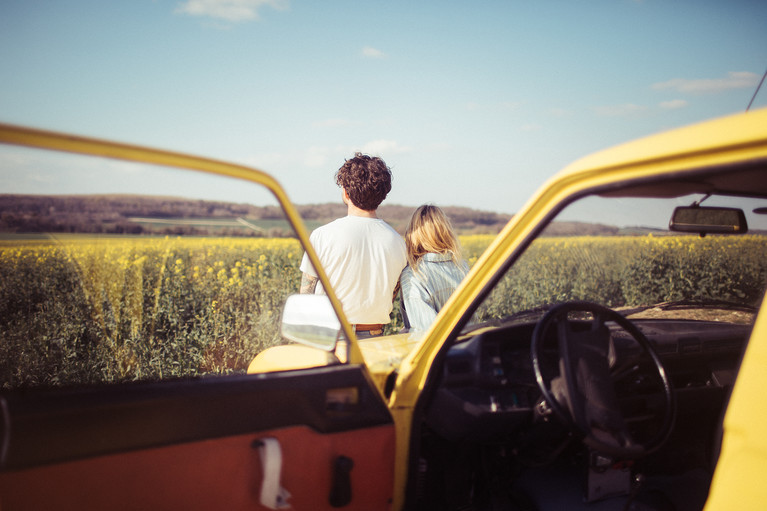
417,301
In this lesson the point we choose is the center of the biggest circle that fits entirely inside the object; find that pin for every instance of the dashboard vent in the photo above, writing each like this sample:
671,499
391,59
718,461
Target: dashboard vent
665,349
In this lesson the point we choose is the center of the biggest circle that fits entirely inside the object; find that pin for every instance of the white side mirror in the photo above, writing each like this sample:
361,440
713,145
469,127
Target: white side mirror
310,320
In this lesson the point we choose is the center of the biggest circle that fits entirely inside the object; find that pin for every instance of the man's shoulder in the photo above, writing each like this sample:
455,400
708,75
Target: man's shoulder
395,238
331,226
351,229
385,225
351,222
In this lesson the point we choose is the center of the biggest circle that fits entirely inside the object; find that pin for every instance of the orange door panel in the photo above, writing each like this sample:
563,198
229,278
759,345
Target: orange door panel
223,473
197,444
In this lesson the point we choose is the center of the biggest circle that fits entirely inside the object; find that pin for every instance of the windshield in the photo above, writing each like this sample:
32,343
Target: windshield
619,252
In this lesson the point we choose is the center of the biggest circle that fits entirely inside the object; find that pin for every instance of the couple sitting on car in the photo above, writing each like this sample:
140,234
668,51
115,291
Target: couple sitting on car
366,260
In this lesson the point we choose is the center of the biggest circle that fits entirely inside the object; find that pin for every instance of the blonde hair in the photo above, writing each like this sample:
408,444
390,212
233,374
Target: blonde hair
430,230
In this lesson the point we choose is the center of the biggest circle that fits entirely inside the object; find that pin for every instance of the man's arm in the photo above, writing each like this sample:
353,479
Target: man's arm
308,284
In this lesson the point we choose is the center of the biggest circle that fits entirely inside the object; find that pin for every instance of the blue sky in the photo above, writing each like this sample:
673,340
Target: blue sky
470,103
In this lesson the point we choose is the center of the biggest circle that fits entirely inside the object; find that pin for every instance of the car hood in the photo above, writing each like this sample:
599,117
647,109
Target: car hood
383,355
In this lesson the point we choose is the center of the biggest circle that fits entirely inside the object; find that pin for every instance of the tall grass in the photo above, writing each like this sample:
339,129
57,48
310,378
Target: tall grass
82,311
633,271
87,311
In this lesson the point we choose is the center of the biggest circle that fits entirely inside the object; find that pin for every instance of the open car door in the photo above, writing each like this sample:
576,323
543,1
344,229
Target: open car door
737,481
128,321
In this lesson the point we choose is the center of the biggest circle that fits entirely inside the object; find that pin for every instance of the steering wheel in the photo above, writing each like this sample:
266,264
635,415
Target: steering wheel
584,394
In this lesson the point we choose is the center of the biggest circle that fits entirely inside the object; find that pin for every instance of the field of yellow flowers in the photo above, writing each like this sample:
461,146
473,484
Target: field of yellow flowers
86,310
94,310
620,271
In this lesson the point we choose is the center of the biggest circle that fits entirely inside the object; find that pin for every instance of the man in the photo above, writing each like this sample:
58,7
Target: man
362,255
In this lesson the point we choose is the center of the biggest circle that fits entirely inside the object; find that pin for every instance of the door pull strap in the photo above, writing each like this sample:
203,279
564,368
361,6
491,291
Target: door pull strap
273,496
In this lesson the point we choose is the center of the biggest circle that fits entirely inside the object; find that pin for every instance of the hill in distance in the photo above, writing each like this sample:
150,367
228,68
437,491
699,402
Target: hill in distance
136,214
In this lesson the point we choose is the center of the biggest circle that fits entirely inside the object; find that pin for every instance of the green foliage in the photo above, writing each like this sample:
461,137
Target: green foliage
632,271
101,311
88,311
724,268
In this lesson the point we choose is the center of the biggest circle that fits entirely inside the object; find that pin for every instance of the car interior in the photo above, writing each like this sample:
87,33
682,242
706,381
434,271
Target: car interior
601,392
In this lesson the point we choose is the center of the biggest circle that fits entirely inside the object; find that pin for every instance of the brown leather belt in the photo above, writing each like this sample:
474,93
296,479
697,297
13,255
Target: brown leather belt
372,328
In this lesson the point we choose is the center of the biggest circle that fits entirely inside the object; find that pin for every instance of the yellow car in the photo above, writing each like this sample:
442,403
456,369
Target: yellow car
606,350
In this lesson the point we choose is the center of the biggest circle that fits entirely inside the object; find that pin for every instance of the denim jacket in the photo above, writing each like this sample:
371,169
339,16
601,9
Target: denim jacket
426,289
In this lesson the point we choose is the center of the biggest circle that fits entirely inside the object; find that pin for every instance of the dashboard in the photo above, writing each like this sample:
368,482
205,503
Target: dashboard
488,389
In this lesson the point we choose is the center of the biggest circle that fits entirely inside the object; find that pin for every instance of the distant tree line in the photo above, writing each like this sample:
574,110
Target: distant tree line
118,214
464,220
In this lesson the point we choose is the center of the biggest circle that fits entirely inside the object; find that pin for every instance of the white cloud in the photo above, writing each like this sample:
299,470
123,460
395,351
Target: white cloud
318,156
11,157
734,80
530,127
321,156
329,156
335,123
510,105
229,10
559,112
674,104
372,53
473,106
384,147
437,147
269,162
619,110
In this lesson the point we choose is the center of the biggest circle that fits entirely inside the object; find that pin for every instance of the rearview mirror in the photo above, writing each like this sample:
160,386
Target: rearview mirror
311,320
704,220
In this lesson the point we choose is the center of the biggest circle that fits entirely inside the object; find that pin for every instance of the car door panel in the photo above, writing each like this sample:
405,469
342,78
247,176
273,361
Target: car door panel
194,444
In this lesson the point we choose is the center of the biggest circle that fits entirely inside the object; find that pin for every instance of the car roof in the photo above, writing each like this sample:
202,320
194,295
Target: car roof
736,144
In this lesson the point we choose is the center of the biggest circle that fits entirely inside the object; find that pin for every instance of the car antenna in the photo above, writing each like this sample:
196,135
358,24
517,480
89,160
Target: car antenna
756,91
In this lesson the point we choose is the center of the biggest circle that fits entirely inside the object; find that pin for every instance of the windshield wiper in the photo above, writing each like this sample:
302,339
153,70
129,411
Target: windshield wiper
687,304
692,304
515,317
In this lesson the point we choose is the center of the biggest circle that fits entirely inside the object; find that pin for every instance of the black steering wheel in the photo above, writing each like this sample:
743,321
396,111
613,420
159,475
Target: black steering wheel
584,395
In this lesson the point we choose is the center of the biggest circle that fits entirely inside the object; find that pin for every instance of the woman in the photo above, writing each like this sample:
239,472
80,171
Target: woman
435,267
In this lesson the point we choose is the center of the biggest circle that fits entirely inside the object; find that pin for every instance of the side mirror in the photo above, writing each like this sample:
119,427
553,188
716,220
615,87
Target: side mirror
310,320
704,220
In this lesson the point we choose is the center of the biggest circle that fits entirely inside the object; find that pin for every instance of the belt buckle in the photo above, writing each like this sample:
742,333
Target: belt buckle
370,331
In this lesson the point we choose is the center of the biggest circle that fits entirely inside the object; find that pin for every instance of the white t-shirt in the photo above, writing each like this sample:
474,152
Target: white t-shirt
363,258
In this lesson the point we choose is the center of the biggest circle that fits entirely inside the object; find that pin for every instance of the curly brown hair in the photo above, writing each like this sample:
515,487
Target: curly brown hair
366,179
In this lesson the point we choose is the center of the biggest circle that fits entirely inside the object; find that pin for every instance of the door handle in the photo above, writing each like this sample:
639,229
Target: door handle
341,490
